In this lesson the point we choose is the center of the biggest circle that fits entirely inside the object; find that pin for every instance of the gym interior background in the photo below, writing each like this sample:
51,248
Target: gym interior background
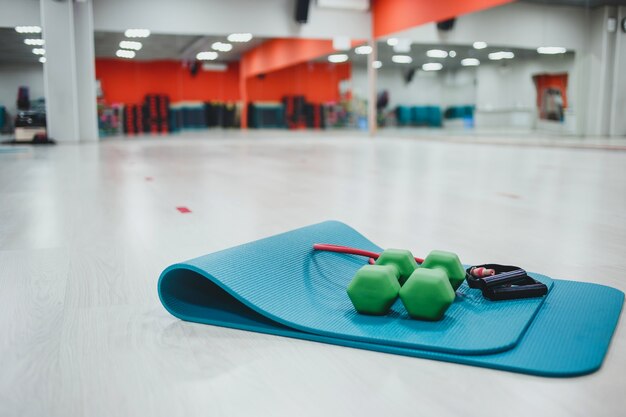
136,133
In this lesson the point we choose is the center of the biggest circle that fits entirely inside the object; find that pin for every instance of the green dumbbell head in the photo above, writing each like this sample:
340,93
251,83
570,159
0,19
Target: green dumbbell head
427,294
400,259
448,262
374,289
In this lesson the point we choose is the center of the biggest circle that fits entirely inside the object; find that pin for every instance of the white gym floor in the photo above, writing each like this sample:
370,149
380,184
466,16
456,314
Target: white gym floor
85,231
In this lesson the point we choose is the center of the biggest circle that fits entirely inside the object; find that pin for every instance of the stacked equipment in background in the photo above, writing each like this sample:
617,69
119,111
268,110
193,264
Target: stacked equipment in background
3,113
156,109
221,114
266,115
133,119
149,117
419,116
201,115
299,113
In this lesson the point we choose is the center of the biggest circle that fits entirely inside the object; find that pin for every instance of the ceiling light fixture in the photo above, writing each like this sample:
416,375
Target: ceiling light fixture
239,37
551,50
206,56
479,45
402,59
470,62
34,42
436,53
363,50
28,29
123,53
222,46
432,66
452,54
42,59
377,64
392,41
335,58
496,56
39,51
137,33
130,45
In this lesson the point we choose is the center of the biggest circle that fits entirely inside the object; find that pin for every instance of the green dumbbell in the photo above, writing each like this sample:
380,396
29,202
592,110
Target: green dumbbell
429,291
427,294
401,260
374,288
447,262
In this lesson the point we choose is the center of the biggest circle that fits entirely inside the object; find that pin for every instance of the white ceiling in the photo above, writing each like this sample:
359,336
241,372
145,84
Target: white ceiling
158,46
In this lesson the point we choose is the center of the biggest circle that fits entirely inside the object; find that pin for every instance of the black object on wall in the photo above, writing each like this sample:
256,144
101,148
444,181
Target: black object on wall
302,11
446,25
408,75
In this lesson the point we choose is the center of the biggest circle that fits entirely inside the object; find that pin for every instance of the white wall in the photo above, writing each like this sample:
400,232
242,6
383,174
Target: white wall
439,89
263,18
522,25
14,75
19,12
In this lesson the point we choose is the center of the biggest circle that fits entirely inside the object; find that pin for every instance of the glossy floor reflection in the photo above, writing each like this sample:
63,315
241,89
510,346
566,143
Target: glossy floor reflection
86,230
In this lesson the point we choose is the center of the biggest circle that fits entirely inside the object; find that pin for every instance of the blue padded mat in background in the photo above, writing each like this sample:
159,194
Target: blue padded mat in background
279,285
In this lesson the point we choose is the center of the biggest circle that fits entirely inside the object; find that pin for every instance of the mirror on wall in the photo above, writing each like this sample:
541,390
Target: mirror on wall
471,88
180,83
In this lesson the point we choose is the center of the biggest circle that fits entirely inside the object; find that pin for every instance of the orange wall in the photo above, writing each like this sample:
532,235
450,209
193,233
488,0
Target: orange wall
280,53
391,16
317,81
128,82
125,81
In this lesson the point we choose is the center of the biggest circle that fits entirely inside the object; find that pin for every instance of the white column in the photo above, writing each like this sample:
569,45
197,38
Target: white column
85,71
618,103
69,75
601,77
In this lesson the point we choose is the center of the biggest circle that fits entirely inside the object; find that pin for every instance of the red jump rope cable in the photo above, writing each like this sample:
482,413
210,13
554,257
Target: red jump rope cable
352,251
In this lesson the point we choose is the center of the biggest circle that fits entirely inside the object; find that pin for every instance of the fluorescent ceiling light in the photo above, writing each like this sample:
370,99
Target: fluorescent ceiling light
436,53
210,66
470,62
34,42
452,54
363,50
402,59
123,53
42,59
480,45
337,58
551,50
39,51
341,43
377,64
403,46
392,41
432,66
222,46
496,56
130,45
206,56
28,29
137,33
239,37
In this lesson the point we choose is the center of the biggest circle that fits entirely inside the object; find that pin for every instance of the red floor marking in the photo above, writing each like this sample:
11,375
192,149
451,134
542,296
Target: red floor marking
183,209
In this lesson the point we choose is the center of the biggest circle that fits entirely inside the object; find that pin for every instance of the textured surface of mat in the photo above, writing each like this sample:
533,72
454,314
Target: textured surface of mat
280,286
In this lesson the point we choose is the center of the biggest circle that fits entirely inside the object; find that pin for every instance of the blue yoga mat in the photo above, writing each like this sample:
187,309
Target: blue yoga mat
279,285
